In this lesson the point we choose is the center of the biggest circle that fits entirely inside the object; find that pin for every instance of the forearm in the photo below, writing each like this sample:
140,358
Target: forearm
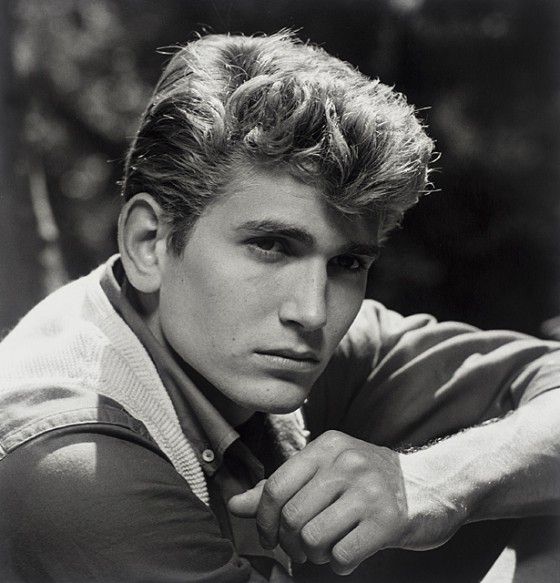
342,499
508,468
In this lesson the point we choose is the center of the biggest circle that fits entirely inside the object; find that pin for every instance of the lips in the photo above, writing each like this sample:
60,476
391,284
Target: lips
292,354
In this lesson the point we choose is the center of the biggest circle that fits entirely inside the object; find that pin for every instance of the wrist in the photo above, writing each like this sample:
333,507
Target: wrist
438,503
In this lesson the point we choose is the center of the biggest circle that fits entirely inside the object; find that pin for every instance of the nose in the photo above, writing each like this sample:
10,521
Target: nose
305,303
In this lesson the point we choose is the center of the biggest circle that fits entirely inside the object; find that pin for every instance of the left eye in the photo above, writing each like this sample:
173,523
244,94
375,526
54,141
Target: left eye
348,262
270,245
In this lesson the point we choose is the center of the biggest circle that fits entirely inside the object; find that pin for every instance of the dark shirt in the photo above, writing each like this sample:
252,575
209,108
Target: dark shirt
230,458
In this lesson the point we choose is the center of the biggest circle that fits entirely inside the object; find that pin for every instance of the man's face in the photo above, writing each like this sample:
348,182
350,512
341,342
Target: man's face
269,281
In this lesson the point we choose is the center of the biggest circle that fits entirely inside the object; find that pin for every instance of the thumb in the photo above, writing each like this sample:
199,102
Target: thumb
245,505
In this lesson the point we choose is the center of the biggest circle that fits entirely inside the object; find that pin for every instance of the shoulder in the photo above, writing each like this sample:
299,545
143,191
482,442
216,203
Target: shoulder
373,333
60,342
58,478
62,473
119,505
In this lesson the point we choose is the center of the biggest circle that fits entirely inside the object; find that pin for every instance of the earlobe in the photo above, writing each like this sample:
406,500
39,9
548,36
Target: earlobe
143,242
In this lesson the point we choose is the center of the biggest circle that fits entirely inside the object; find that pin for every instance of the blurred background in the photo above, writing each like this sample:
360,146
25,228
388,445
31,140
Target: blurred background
484,248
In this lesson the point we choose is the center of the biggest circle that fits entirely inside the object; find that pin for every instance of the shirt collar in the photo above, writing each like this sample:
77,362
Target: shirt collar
207,430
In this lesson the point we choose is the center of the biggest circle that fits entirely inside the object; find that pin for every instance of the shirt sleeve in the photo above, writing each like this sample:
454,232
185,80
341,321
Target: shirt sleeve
83,505
404,381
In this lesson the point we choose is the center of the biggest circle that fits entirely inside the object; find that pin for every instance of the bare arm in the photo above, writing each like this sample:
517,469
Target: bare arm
509,468
342,499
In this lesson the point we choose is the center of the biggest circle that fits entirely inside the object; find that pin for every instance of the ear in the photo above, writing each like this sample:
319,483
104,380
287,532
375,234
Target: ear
143,242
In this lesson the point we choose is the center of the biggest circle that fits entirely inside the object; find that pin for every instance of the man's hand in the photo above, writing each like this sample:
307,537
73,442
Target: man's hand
341,500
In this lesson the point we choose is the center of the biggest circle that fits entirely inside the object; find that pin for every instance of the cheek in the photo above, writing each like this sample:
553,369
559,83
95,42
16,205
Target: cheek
215,306
346,303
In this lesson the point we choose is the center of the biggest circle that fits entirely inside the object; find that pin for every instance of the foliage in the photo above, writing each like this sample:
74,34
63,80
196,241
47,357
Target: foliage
482,249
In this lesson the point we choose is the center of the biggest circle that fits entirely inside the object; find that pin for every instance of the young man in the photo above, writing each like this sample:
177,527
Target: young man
155,414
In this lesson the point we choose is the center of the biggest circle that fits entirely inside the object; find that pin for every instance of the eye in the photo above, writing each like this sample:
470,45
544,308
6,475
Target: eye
349,263
268,247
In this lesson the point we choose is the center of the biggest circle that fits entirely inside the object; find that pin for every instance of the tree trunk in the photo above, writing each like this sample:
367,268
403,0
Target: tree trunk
20,270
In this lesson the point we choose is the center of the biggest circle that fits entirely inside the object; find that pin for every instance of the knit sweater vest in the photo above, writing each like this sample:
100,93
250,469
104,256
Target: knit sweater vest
75,340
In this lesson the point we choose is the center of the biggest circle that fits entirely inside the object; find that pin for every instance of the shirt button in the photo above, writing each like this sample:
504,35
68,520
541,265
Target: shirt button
208,455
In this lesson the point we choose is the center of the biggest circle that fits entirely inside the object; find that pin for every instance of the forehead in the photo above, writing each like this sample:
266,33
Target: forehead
275,197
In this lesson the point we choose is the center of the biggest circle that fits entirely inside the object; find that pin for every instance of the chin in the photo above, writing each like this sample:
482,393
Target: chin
281,409
279,397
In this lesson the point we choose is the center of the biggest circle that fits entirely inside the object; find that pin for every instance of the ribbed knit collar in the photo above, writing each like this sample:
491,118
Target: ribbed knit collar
203,425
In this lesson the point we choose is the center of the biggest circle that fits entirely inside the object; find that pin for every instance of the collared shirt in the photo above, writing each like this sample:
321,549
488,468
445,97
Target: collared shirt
100,502
228,457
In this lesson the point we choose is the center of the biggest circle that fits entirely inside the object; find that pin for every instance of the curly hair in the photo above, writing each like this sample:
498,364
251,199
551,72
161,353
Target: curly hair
275,101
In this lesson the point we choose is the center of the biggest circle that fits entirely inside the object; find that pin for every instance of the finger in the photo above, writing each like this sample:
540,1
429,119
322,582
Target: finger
245,505
288,479
359,544
293,549
291,477
310,501
330,526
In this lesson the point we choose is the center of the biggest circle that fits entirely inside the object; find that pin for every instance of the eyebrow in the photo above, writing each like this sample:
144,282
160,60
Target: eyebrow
287,230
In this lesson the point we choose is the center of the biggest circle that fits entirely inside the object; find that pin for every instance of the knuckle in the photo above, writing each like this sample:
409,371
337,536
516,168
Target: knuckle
290,516
331,438
351,460
391,515
357,505
343,555
311,536
376,495
272,487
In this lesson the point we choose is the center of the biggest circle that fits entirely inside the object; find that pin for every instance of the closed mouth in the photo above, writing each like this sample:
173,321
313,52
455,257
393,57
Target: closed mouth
296,355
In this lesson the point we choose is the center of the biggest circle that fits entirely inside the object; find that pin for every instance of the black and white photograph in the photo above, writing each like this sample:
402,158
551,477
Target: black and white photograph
280,291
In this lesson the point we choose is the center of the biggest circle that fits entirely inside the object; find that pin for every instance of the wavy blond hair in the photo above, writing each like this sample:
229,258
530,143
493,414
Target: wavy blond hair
275,101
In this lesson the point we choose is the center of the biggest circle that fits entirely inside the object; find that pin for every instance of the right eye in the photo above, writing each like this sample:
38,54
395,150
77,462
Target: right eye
268,247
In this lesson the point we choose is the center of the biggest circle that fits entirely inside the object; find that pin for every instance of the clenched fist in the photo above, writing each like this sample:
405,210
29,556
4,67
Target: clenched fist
341,499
